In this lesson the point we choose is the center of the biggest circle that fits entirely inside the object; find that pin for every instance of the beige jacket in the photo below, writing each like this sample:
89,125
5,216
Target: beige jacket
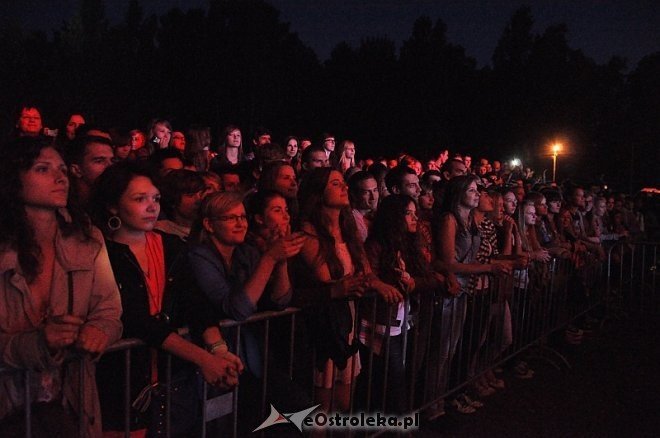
22,343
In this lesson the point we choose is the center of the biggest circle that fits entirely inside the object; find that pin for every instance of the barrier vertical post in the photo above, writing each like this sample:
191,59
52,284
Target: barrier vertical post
28,406
127,393
81,396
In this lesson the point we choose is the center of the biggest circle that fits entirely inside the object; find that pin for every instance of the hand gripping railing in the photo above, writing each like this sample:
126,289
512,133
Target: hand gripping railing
451,341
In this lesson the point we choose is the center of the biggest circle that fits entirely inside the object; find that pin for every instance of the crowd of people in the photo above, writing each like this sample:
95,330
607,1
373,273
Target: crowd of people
156,230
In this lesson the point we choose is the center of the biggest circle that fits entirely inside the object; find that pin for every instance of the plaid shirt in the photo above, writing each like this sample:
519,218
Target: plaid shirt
487,249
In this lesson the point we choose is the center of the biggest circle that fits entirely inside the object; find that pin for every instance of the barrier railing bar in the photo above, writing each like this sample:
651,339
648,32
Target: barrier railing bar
28,405
168,397
235,392
537,312
264,380
127,393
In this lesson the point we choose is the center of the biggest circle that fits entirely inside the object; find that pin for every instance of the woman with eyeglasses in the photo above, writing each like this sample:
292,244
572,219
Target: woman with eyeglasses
232,274
159,297
239,278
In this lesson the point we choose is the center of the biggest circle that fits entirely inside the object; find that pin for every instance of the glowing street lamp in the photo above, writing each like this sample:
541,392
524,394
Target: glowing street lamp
555,151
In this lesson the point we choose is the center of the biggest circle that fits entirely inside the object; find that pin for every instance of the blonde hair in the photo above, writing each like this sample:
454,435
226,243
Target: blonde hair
213,206
344,162
528,243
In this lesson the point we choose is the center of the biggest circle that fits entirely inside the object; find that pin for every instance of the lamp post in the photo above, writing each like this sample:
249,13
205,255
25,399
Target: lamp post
555,151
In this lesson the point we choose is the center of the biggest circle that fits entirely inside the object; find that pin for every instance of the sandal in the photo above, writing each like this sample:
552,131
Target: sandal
467,400
497,384
462,407
483,390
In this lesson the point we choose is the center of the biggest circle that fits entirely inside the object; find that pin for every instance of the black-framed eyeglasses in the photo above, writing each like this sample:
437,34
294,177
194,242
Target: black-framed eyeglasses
231,218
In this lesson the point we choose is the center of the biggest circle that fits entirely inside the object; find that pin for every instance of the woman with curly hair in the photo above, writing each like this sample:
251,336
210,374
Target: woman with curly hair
396,257
58,300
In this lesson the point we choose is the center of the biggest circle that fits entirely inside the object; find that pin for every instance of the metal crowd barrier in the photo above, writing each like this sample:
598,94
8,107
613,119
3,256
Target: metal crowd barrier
450,343
632,280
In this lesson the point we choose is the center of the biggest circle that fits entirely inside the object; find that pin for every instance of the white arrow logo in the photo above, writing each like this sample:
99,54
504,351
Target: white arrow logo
295,418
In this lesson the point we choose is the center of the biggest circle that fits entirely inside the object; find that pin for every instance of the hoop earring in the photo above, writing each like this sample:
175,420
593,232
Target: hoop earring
114,223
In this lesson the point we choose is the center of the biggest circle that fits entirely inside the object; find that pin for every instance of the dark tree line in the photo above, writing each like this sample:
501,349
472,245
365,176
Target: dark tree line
238,62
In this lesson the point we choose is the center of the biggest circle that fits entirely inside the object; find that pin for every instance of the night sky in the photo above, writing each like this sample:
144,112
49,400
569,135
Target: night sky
600,28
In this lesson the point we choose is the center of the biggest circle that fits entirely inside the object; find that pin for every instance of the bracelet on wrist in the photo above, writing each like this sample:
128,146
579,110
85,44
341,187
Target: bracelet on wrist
220,346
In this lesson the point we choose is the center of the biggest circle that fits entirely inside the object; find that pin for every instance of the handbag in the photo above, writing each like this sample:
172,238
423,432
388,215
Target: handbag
185,408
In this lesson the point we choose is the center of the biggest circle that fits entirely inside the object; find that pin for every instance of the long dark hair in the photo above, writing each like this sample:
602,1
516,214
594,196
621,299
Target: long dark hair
454,192
16,232
310,197
389,230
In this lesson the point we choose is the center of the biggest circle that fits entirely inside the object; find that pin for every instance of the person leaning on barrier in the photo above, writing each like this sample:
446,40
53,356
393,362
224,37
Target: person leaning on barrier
332,265
395,254
59,303
232,274
490,295
238,279
159,296
456,244
269,228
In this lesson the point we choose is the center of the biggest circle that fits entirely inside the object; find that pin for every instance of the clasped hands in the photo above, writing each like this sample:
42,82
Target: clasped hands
222,369
63,331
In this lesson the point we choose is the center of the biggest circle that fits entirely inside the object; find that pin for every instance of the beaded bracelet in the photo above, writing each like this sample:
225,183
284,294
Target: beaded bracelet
220,345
